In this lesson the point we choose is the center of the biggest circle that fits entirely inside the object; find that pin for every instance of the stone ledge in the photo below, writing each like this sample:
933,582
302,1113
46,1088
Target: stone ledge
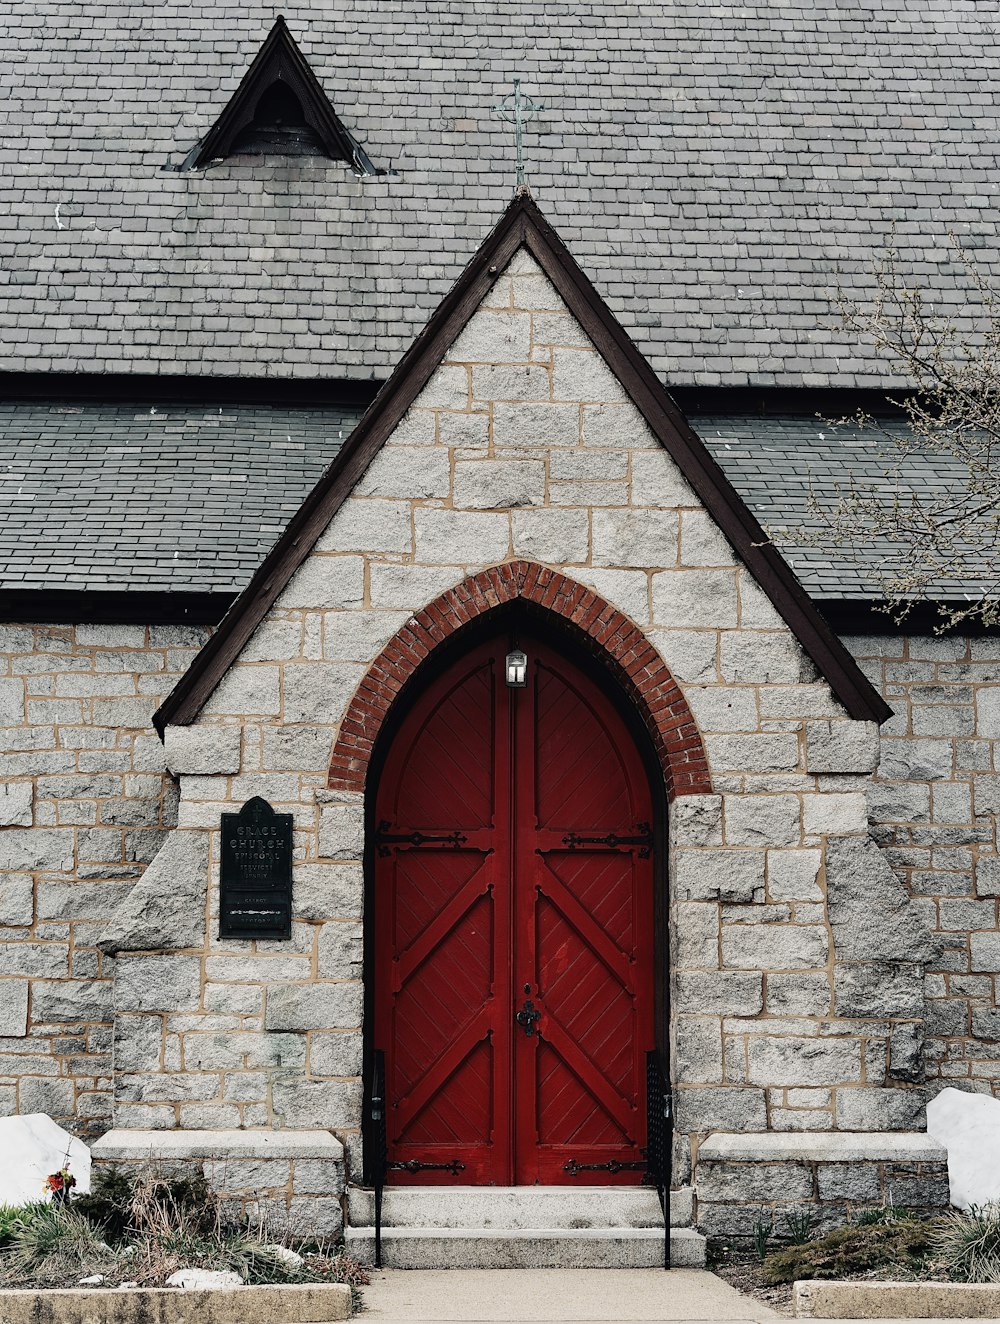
818,1299
307,1304
823,1147
121,1144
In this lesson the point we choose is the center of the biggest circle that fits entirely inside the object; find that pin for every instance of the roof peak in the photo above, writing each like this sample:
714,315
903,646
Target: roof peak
522,225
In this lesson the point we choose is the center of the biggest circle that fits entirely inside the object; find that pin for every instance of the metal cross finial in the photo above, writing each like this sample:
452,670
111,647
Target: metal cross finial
515,109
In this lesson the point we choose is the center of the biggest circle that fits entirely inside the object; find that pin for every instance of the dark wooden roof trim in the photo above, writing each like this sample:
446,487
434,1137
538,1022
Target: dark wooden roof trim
817,403
179,390
52,606
280,60
872,616
523,224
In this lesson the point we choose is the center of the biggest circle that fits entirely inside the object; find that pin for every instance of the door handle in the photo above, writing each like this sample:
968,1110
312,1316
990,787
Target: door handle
527,1016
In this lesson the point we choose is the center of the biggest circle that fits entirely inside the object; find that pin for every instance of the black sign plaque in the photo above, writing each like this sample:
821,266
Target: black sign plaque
255,880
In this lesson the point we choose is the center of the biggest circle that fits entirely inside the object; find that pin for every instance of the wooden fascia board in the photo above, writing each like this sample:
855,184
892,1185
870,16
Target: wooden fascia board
208,150
321,105
523,224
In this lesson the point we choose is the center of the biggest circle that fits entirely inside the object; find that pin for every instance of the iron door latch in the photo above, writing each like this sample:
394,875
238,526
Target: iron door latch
527,1016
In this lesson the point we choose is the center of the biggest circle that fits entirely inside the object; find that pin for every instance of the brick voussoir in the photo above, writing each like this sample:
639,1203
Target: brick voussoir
664,709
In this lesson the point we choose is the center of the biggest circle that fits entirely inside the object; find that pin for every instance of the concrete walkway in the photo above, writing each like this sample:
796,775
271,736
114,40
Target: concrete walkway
562,1296
533,1296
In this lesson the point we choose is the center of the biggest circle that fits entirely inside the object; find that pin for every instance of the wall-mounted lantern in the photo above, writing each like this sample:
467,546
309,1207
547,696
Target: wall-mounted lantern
517,669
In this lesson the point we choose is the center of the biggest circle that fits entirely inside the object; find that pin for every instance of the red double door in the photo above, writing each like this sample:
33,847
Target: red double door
514,929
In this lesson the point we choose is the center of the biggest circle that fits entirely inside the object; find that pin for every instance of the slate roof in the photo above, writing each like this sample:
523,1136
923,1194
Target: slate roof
778,463
717,169
190,499
151,498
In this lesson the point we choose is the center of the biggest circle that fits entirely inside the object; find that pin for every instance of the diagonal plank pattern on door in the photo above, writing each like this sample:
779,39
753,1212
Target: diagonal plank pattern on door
514,928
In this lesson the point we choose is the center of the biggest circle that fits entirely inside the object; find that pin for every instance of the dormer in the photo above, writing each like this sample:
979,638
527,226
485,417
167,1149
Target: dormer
279,109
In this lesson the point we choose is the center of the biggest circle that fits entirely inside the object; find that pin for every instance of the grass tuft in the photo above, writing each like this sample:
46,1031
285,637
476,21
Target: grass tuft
15,1216
968,1244
53,1246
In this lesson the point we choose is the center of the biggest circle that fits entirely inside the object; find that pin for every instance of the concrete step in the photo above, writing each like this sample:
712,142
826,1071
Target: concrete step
518,1207
526,1248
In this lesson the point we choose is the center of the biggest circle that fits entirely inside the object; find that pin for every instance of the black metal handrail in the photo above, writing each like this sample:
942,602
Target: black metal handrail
660,1141
380,1145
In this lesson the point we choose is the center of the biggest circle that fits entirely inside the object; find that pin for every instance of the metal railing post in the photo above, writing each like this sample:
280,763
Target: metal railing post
380,1146
659,1142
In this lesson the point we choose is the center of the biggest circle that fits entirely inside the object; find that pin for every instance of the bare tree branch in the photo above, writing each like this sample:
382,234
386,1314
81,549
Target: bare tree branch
936,542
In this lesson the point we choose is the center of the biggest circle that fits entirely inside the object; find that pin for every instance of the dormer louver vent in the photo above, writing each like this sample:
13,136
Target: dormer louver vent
279,109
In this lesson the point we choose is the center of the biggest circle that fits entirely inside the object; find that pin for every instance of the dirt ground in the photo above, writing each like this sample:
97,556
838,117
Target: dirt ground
742,1270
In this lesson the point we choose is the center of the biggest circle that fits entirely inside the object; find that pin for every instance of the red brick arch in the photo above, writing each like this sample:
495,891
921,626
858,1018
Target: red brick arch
603,629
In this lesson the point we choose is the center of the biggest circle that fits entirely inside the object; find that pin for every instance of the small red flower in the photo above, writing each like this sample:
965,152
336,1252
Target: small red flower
59,1184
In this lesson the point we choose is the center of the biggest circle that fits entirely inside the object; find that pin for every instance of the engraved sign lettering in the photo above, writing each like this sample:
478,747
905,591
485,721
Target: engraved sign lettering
255,881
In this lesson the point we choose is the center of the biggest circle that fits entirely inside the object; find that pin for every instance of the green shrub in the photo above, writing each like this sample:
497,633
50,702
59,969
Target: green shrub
107,1206
852,1250
121,1204
181,1206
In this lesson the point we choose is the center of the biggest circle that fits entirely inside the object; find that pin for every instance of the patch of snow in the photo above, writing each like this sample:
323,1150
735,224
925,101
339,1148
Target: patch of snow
32,1147
202,1278
968,1126
290,1257
94,1280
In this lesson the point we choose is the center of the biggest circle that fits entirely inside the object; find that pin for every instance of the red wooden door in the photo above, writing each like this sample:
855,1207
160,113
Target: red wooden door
503,885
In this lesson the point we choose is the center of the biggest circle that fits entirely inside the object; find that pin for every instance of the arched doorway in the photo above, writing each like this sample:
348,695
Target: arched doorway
514,837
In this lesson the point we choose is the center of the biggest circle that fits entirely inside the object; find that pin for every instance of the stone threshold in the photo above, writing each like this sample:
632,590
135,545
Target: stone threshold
816,1298
823,1147
120,1144
518,1207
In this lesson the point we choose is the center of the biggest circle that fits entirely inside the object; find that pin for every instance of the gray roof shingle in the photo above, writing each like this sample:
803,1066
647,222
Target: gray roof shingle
778,463
190,498
716,169
132,498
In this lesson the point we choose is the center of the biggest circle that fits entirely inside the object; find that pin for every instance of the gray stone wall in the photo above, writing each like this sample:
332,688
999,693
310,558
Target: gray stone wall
816,977
933,807
85,803
746,1182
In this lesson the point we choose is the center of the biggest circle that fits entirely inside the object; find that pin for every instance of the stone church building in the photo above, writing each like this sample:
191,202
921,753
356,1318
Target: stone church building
418,764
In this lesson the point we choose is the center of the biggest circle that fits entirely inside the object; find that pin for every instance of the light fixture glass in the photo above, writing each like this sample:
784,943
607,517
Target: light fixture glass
517,669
